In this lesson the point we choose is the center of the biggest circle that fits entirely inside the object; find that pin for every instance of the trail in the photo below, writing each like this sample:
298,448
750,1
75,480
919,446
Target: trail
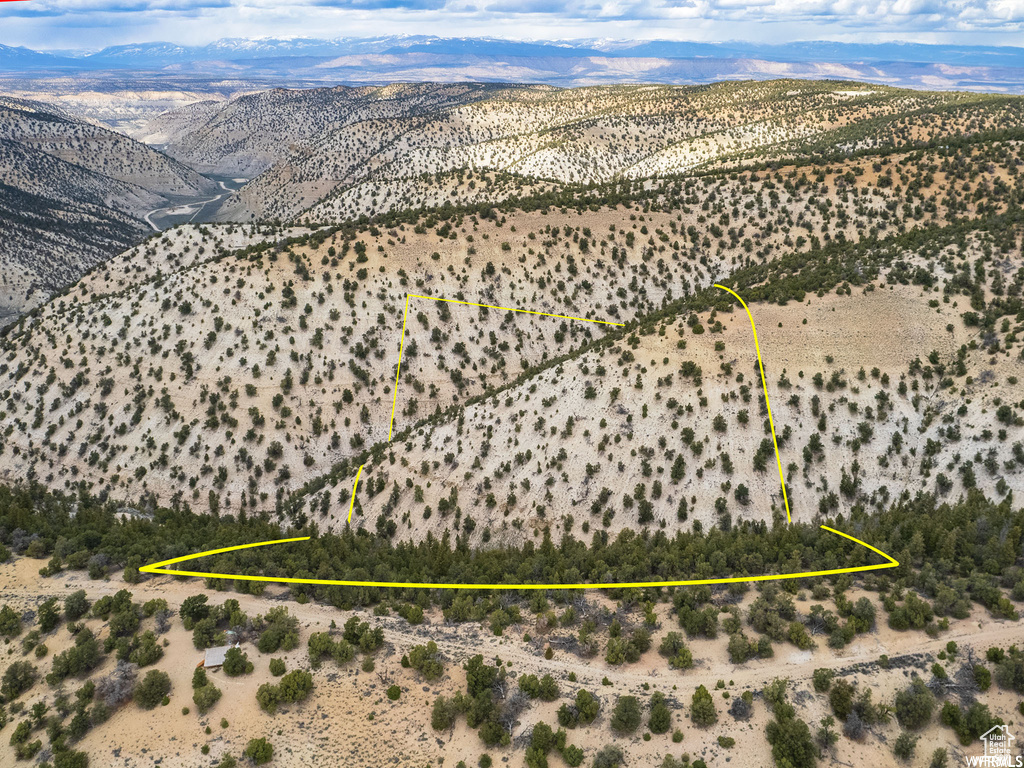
458,642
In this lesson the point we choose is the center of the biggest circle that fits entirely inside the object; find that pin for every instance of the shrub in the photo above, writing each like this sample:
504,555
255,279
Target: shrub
840,698
362,636
673,648
153,688
741,708
584,710
904,746
282,632
49,615
1010,671
205,633
442,716
545,689
145,650
982,677
236,663
194,609
268,696
970,725
17,679
394,692
295,686
70,759
609,756
277,667
542,738
661,717
423,658
205,697
854,727
822,679
626,715
118,687
10,622
260,751
791,740
914,705
82,657
76,605
702,708
573,756
740,648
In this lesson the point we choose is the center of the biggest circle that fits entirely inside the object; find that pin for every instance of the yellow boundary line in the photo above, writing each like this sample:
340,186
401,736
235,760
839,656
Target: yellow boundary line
160,568
355,485
764,383
405,317
513,309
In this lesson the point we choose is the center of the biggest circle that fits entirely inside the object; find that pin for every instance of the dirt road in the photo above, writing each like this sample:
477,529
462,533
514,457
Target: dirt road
460,641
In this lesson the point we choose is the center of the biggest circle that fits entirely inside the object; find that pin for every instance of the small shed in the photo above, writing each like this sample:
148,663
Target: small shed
215,656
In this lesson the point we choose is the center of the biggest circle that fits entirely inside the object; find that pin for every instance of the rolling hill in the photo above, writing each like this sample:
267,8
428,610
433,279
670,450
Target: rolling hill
456,354
266,374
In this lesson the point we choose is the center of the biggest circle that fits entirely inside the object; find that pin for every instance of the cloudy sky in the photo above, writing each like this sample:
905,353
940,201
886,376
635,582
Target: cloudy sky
93,24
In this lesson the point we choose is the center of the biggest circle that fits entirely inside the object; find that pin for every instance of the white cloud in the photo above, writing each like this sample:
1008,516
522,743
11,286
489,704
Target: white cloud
96,23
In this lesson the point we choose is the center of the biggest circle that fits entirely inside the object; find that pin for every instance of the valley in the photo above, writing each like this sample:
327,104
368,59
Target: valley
188,210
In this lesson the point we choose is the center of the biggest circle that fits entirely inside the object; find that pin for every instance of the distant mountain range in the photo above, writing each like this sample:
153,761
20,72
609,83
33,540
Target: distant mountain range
576,62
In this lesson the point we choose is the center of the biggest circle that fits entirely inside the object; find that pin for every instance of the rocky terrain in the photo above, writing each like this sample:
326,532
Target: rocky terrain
125,103
248,134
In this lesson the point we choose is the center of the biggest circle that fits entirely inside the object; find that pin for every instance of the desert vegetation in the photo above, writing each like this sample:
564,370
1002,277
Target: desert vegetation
219,384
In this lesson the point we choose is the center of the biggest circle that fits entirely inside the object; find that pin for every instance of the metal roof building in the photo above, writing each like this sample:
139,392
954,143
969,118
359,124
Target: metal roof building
215,656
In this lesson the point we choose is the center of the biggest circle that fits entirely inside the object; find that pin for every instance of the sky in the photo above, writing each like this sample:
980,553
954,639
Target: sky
94,24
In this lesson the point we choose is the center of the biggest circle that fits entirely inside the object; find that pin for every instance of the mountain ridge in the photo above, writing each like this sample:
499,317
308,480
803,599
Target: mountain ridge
486,59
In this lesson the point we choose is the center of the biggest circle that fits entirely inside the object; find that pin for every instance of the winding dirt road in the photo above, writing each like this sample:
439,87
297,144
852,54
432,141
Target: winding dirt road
200,203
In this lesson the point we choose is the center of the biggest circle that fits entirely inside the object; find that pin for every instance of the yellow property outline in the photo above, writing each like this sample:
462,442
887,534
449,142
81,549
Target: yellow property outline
160,567
764,383
355,485
405,316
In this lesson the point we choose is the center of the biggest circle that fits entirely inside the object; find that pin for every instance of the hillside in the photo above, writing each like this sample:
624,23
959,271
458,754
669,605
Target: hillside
250,133
74,194
231,379
47,130
486,322
366,151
